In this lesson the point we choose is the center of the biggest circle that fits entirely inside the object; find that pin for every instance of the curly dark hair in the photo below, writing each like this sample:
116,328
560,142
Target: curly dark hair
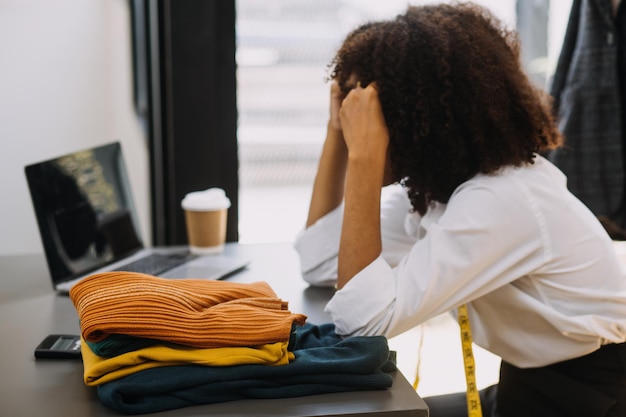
454,95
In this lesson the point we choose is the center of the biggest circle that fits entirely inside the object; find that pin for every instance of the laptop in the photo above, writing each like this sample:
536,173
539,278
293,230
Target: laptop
88,223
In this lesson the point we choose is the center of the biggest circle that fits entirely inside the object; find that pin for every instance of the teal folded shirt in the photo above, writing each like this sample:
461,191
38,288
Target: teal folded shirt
324,363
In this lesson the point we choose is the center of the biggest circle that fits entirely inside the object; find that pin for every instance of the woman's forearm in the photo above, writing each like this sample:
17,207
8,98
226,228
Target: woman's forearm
361,241
329,184
366,139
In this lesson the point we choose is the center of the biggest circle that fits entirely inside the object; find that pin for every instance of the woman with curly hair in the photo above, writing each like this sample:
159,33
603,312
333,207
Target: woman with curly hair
433,107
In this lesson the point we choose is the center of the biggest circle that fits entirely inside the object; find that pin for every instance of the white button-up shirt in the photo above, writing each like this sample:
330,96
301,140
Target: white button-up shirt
540,275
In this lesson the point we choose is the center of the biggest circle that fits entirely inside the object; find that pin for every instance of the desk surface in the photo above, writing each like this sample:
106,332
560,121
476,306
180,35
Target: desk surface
30,310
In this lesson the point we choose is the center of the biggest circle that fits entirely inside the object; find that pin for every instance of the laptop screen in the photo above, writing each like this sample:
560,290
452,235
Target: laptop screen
84,210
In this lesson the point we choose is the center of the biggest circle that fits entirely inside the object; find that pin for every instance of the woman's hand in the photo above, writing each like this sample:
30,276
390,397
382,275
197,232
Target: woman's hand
363,124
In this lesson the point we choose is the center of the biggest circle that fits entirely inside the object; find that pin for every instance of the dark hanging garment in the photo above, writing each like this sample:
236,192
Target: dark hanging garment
586,90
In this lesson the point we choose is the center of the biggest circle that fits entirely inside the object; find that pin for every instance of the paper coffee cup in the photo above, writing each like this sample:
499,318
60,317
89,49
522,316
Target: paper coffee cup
205,217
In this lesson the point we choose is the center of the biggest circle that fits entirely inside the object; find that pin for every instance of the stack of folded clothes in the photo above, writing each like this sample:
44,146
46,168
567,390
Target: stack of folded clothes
151,344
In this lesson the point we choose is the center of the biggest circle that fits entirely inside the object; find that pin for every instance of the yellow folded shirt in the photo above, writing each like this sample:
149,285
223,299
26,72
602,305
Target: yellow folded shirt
99,370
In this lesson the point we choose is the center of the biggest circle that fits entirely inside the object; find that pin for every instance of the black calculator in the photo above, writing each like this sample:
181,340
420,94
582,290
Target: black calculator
59,346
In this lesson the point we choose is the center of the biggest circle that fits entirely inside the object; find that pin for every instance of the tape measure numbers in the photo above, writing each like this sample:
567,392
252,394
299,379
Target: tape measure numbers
473,398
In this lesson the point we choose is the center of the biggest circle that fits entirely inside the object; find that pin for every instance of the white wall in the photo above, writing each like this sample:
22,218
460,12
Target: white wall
65,85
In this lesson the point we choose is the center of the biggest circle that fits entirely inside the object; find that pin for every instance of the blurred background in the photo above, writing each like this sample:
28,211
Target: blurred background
66,83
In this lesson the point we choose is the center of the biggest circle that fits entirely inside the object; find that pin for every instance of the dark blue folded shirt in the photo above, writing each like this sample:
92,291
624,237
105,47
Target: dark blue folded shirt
325,363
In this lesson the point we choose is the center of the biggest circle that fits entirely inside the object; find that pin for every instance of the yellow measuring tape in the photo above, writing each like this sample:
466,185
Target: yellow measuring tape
473,399
474,408
416,381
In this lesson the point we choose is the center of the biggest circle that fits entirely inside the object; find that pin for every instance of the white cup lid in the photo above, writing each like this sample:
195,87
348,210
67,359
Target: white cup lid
211,199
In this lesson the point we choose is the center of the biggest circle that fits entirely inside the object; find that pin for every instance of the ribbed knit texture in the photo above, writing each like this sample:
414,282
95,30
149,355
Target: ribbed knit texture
192,312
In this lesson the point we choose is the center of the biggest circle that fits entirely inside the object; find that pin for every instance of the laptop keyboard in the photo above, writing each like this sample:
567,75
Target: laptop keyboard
154,264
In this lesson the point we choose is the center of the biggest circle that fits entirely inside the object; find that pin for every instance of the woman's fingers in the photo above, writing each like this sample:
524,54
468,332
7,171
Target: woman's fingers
362,120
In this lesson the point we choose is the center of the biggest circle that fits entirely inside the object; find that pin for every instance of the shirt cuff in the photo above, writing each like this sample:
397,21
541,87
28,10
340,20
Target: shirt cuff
320,242
365,304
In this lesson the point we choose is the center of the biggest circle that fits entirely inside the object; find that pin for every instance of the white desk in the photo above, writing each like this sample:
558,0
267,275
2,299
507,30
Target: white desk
30,310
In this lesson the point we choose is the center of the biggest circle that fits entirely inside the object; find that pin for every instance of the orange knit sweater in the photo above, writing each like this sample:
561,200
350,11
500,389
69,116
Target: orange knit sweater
192,312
